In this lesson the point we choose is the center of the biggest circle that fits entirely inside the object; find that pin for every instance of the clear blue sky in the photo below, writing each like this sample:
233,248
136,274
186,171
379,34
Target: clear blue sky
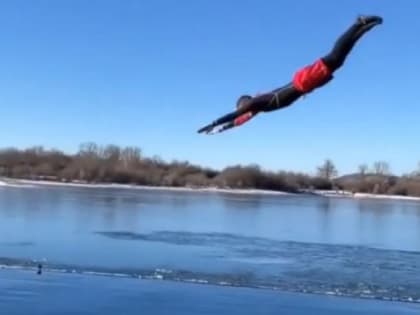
150,73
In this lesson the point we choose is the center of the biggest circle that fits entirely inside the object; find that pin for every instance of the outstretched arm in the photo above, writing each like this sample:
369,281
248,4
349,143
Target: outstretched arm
234,123
254,106
222,120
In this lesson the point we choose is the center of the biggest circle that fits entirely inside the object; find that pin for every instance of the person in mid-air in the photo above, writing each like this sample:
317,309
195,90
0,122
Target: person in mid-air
304,81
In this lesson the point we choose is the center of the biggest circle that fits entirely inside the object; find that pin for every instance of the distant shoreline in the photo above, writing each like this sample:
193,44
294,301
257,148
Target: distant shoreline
11,182
25,182
347,194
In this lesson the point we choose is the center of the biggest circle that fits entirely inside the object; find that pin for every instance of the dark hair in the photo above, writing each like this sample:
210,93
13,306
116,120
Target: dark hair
243,100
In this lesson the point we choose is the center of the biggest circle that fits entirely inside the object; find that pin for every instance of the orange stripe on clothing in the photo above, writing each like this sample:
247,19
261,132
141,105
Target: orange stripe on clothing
243,118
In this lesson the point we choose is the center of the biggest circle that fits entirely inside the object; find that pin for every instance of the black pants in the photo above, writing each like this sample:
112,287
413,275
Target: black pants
346,42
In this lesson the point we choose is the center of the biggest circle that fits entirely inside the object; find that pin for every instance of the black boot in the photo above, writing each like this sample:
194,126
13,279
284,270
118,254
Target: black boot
369,19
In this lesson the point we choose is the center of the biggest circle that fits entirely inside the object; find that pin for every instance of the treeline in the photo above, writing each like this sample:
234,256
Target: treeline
377,179
113,164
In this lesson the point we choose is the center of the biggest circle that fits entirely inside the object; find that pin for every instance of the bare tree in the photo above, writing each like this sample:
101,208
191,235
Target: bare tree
89,149
381,168
363,168
327,170
130,157
111,153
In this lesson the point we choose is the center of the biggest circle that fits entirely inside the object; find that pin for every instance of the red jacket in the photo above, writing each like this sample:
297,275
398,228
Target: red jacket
312,76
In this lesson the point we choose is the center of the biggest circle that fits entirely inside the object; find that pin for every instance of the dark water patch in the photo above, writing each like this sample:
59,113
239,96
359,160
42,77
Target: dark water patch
354,271
18,244
253,245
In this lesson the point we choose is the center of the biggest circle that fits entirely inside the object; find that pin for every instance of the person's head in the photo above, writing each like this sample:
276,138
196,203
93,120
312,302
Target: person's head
243,100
